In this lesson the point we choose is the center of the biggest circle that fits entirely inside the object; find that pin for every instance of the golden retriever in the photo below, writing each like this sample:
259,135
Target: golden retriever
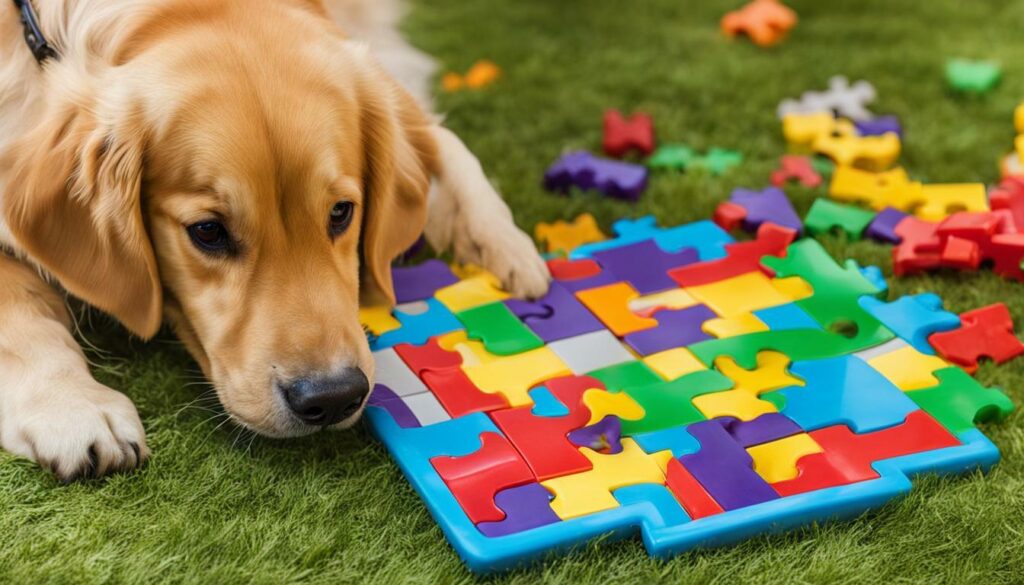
240,168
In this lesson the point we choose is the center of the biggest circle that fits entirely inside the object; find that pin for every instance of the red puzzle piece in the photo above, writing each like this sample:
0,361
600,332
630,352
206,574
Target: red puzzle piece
847,456
696,500
741,257
442,373
985,332
729,216
564,269
1009,195
474,479
543,441
796,168
920,247
622,135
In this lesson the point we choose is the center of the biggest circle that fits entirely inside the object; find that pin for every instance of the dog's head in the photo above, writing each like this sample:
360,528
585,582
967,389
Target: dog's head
248,175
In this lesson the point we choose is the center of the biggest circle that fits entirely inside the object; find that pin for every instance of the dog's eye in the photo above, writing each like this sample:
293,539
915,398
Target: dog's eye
341,217
210,236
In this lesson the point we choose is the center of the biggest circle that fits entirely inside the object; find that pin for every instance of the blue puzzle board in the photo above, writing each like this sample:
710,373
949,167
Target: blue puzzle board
839,386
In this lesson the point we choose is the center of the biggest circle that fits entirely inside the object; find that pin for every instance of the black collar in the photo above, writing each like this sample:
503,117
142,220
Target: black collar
37,43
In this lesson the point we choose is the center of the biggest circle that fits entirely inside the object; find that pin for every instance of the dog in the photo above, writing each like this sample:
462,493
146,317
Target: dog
244,170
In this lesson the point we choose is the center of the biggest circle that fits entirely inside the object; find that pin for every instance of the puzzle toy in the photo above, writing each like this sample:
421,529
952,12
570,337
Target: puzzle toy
796,168
561,237
679,157
616,179
838,139
751,209
623,135
481,74
840,100
677,384
973,76
765,22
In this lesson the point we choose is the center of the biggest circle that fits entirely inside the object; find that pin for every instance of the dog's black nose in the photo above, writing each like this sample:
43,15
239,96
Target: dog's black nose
327,400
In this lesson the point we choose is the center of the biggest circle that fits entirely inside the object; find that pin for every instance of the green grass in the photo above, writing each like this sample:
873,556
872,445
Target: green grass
215,505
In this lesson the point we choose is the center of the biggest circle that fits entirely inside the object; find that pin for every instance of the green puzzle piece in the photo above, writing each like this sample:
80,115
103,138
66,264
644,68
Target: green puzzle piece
798,344
626,375
672,157
670,404
718,160
973,76
834,304
959,401
826,215
501,332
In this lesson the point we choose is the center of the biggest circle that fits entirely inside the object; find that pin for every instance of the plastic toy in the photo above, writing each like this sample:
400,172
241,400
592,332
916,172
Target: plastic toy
718,160
796,168
817,401
622,135
878,126
766,22
973,76
561,236
672,157
481,74
826,216
753,208
840,99
619,180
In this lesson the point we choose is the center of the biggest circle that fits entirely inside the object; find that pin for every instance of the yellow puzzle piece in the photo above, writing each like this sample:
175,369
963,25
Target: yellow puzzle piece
793,287
562,236
602,403
590,491
478,287
939,200
378,320
771,373
877,190
514,375
473,352
739,295
741,404
674,363
733,326
909,369
776,461
801,130
676,298
870,152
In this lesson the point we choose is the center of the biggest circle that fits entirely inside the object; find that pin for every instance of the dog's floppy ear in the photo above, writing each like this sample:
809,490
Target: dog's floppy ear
399,159
74,205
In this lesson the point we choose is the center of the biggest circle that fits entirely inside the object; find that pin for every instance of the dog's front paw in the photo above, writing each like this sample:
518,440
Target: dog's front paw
508,253
76,428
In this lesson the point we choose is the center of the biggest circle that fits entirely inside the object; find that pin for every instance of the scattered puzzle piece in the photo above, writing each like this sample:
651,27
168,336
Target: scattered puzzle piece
840,99
768,205
676,157
616,179
826,216
765,22
973,76
561,236
481,74
796,168
718,160
986,332
622,135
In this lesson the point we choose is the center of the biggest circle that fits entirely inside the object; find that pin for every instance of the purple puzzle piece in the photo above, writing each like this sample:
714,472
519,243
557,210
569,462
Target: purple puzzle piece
645,265
614,178
878,126
557,315
420,282
724,468
385,398
768,204
588,282
768,427
605,435
883,227
676,328
526,506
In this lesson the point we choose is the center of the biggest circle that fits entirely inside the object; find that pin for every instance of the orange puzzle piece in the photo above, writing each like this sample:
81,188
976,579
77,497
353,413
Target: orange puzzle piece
766,22
610,304
481,74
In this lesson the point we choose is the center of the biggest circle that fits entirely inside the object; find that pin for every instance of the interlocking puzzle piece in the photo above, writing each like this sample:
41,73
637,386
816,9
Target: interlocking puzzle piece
741,257
842,390
802,130
877,190
672,157
985,332
766,428
848,457
767,205
626,375
561,237
870,152
499,329
481,74
937,201
1009,195
555,316
696,500
732,326
384,398
776,461
796,168
670,404
577,275
913,318
973,76
525,507
591,351
676,328
958,401
840,99
788,316
420,321
919,247
673,363
644,265
743,402
602,404
705,236
725,469
512,376
826,216
474,479
604,436
661,509
420,282
378,320
616,179
610,304
477,287
740,295
907,368
590,491
545,403
718,160
883,227
441,371
622,135
766,22
878,126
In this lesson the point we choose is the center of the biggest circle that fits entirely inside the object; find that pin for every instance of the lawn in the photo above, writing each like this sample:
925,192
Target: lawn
218,505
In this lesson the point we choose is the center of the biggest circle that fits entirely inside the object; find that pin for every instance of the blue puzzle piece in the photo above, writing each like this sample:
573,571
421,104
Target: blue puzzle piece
417,329
705,236
913,318
842,391
788,316
675,439
662,508
545,404
874,275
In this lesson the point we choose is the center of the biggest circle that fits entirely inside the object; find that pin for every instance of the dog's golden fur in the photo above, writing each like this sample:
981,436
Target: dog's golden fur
259,114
